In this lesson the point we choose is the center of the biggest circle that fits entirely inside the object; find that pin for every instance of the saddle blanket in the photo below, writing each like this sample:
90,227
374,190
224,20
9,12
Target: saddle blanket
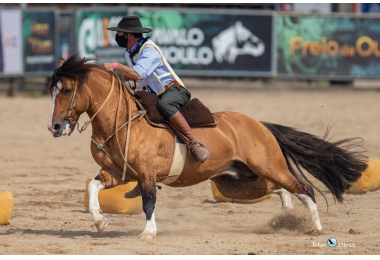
195,113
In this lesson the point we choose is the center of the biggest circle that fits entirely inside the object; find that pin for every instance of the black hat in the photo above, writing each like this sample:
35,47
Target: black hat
130,24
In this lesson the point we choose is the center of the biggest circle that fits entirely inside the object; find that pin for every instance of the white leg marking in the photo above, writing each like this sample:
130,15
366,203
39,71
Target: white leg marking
312,207
150,230
93,191
286,198
56,91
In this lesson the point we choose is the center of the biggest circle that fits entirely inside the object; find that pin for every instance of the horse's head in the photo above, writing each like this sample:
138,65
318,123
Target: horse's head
234,41
66,90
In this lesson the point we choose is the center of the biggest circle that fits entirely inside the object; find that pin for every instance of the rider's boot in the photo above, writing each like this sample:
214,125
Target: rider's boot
200,152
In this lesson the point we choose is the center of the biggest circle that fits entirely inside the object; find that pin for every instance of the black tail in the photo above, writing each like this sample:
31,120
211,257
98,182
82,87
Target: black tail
335,164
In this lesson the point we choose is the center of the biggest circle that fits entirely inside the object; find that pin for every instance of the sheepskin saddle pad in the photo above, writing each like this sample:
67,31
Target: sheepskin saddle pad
196,114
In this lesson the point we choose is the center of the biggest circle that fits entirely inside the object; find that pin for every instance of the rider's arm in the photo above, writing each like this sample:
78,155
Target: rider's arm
147,62
126,71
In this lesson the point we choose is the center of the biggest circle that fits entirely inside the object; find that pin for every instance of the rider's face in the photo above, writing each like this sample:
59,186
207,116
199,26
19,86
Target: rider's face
120,33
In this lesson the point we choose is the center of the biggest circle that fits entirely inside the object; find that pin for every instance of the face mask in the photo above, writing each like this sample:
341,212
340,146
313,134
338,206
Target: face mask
121,41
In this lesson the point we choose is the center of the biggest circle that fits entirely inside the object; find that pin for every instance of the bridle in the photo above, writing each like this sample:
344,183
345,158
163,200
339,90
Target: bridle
71,107
100,146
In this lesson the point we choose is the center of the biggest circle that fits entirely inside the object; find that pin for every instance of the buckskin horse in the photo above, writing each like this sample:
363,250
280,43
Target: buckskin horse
128,148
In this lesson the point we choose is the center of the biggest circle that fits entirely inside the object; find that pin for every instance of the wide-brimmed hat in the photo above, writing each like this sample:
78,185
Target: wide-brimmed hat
130,24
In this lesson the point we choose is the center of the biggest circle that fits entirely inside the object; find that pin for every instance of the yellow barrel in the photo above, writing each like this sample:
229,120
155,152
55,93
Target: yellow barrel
113,201
6,207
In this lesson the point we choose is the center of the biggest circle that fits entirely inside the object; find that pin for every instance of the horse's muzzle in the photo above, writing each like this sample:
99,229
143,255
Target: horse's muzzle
60,127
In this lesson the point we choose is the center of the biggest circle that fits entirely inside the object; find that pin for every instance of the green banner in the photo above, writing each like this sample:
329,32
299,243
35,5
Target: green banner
326,46
209,42
94,40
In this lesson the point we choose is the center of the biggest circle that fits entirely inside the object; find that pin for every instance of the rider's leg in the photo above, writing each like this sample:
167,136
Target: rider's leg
200,152
170,102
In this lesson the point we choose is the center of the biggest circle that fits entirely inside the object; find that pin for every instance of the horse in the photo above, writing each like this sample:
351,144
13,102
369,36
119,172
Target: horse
128,148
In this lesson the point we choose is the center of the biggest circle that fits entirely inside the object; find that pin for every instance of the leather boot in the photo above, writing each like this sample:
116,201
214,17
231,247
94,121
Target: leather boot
179,123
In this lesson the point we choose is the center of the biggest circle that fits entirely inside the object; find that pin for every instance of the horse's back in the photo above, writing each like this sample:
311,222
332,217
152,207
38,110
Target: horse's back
242,125
251,139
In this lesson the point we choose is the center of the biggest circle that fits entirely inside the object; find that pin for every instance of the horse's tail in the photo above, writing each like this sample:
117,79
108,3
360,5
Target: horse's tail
335,164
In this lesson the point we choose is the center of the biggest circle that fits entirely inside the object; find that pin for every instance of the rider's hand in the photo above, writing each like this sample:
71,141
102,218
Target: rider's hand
108,66
125,78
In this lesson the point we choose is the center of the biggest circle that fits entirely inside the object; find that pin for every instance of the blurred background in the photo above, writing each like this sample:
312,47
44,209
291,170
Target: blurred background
320,44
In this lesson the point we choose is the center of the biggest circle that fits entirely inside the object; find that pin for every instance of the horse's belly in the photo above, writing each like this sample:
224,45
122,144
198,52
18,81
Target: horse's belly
242,188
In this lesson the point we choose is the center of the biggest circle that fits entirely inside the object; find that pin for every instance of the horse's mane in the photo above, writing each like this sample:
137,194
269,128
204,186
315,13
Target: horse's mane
74,68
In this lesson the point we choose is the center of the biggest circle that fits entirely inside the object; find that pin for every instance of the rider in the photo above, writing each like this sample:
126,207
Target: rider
148,66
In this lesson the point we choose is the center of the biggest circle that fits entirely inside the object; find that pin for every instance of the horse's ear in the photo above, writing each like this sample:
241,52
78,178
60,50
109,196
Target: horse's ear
61,62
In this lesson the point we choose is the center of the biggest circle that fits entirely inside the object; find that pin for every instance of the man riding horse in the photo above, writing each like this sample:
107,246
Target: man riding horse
148,66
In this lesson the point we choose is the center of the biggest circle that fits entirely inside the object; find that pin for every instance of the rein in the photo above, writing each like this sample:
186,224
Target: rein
100,146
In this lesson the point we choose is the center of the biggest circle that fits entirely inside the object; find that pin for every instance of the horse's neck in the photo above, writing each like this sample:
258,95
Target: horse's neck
103,124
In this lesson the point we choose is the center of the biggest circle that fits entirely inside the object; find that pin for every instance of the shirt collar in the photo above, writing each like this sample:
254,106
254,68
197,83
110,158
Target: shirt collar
136,48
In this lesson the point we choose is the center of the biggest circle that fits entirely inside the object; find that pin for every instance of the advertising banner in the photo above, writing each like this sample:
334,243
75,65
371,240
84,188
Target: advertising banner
11,42
224,43
94,40
1,48
39,38
66,34
373,8
327,46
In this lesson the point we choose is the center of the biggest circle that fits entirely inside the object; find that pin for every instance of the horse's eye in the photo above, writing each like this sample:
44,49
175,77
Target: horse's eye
67,91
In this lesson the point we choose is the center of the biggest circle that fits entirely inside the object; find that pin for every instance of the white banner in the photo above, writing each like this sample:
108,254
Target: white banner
11,41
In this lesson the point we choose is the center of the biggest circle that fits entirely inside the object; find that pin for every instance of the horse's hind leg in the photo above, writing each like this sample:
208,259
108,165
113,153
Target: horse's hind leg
306,195
303,192
94,187
286,198
308,200
279,174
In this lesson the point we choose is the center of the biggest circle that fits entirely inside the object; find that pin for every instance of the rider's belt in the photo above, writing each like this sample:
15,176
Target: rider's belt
147,88
170,84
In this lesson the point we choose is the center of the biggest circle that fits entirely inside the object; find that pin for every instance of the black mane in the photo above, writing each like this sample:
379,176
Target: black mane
74,68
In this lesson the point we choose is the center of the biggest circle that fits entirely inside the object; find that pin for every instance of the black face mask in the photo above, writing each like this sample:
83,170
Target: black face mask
121,41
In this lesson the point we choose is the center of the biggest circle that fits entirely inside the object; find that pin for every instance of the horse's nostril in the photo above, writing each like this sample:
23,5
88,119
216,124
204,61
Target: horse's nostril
57,127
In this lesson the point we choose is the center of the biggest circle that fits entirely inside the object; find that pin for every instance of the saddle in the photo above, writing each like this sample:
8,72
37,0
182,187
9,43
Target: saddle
195,113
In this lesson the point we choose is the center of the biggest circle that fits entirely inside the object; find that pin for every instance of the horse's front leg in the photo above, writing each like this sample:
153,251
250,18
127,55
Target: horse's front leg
103,180
148,191
93,189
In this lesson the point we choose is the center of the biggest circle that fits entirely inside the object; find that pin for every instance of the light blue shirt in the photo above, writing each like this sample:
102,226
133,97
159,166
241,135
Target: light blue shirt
153,68
150,61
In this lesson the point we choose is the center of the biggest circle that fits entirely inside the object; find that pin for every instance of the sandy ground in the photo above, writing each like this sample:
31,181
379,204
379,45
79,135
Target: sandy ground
47,177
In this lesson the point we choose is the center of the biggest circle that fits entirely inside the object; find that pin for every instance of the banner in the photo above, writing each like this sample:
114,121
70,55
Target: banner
199,42
66,34
326,46
39,29
11,42
1,48
373,8
93,38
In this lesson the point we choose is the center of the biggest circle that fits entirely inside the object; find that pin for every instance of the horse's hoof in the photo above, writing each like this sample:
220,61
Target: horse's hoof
147,236
101,224
315,231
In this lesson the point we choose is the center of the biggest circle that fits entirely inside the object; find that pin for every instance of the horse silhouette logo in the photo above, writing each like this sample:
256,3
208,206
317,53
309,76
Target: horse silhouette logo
234,41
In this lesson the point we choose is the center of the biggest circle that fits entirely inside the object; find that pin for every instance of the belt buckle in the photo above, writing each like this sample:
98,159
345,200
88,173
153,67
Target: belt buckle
170,85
